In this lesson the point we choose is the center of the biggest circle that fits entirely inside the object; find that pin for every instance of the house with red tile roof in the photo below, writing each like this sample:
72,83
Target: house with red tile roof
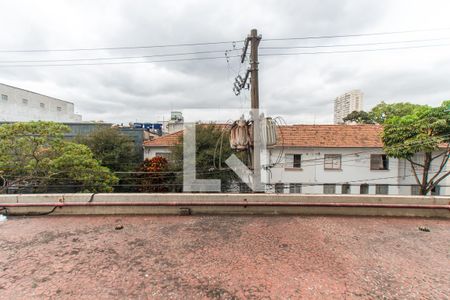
329,159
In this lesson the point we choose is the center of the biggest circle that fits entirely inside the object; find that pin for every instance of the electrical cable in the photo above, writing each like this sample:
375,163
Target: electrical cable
353,51
112,58
352,45
355,35
120,47
119,63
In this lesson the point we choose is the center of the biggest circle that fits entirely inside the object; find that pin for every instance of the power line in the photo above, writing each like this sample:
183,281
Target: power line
355,35
122,47
354,45
117,58
233,42
354,51
220,57
120,63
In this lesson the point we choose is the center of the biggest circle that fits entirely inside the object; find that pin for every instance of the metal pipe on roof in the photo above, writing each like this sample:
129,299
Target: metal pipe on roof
243,204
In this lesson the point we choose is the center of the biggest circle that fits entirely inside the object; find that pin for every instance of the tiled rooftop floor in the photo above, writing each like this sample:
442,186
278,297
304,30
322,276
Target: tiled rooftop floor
227,257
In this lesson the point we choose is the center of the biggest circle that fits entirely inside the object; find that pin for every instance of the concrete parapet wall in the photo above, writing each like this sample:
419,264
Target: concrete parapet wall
182,203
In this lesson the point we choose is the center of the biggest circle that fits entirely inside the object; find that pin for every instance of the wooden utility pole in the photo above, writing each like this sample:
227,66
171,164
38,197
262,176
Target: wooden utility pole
254,43
254,93
253,39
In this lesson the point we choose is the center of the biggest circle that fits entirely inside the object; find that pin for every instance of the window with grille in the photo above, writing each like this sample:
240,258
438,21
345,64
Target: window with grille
332,161
435,191
25,101
279,188
415,190
379,162
166,155
42,105
346,188
364,188
4,97
58,108
295,188
382,189
294,161
329,188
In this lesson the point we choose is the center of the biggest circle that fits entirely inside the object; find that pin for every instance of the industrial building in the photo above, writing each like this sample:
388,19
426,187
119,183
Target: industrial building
17,104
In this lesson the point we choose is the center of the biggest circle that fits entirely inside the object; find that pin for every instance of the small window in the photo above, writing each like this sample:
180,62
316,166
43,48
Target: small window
25,101
346,188
42,105
294,161
295,188
58,108
332,161
163,154
381,189
297,161
329,188
279,188
4,97
379,162
364,189
415,189
436,191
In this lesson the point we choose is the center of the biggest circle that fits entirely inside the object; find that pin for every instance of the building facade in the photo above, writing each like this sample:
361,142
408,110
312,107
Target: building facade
347,103
17,104
328,159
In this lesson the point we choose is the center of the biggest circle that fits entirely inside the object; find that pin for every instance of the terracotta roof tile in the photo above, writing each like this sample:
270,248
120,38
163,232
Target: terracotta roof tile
170,139
322,136
331,136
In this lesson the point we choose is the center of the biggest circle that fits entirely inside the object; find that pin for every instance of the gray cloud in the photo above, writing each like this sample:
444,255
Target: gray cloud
300,88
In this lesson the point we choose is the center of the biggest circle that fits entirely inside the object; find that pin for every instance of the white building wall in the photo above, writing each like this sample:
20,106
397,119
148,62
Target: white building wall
355,170
21,105
150,152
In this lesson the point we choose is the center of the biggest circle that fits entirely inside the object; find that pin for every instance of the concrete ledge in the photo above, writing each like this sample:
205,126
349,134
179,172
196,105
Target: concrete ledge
183,203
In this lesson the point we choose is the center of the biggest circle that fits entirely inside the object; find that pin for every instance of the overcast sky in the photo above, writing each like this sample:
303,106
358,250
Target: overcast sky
300,88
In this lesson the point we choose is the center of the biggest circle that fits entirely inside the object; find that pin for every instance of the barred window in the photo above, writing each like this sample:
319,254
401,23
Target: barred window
364,189
382,189
379,162
329,188
294,161
415,189
346,188
332,161
279,188
295,188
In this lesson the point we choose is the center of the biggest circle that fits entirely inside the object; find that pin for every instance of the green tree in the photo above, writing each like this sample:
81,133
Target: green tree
112,148
212,149
381,113
384,111
360,117
34,154
421,137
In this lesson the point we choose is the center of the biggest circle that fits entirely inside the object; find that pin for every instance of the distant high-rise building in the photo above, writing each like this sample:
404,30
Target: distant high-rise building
345,104
17,104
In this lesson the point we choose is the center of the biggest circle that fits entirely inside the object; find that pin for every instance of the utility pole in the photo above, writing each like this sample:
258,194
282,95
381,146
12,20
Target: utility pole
254,43
241,83
254,93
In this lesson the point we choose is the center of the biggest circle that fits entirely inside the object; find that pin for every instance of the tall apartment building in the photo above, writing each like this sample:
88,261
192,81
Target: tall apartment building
345,104
17,104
